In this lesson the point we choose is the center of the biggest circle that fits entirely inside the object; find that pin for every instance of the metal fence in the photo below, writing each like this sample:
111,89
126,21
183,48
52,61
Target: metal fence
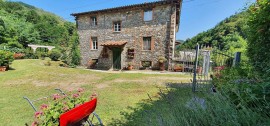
204,64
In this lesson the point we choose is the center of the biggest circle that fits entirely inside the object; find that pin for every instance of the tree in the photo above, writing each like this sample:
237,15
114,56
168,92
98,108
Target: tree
32,16
75,52
2,30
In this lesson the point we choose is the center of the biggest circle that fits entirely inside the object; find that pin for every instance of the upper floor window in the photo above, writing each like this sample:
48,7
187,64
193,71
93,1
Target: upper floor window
148,15
117,26
146,43
94,43
94,21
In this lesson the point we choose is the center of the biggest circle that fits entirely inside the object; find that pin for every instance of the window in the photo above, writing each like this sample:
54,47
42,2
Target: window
117,26
93,63
148,15
94,43
146,63
131,52
94,21
146,43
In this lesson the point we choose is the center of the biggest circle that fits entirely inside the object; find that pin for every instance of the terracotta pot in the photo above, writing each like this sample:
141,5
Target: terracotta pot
2,68
199,70
161,66
130,67
177,68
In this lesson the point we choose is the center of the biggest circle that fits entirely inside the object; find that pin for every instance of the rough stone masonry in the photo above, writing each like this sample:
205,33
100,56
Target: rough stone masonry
162,30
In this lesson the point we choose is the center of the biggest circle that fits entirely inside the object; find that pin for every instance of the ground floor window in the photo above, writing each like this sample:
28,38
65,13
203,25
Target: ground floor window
92,64
146,64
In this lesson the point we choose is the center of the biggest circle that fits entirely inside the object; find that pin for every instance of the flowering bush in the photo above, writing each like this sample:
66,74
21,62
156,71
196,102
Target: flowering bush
49,114
18,55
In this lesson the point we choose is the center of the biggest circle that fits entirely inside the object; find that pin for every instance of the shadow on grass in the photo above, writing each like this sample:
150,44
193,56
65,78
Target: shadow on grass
156,110
11,68
170,107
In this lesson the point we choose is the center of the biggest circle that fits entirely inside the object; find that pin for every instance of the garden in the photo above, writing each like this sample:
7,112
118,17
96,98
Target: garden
115,91
241,95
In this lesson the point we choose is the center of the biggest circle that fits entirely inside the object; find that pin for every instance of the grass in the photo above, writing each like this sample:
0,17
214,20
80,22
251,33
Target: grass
116,91
172,109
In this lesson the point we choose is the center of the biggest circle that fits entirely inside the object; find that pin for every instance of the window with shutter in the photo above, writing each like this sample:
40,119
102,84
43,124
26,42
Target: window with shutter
146,43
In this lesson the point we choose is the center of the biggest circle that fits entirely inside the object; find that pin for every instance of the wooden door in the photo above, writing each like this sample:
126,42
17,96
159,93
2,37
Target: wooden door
116,58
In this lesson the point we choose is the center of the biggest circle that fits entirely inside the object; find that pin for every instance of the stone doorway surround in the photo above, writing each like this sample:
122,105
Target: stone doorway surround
117,48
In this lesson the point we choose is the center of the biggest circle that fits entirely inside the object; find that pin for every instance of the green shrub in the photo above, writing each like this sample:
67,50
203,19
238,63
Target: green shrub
11,49
6,58
48,63
245,88
188,110
259,37
14,44
29,54
54,54
42,55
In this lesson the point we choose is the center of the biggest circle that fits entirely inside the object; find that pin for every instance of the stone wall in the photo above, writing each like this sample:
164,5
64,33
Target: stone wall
133,29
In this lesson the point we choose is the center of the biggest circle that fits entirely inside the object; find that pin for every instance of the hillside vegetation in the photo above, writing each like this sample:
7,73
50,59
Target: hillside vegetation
247,84
228,35
22,24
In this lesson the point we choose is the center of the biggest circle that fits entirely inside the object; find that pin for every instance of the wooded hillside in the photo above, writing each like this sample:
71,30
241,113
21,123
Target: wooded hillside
228,35
22,24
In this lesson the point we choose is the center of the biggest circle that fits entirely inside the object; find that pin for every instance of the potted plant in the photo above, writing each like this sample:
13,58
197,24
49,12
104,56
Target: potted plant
178,67
199,70
58,105
2,68
92,64
146,65
162,61
130,66
6,58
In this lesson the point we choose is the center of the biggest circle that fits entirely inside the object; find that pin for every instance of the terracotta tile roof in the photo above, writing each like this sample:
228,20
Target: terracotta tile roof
146,4
114,43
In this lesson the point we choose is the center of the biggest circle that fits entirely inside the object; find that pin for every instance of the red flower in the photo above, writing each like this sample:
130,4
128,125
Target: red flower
76,95
38,114
80,90
65,108
56,96
94,95
35,123
43,106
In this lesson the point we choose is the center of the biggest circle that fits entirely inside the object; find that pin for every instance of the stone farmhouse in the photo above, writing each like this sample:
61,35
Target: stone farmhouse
134,34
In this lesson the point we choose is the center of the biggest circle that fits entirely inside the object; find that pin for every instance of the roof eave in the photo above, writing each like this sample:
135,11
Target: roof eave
150,4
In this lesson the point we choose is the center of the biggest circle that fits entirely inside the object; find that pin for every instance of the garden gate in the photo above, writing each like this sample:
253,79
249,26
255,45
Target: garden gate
208,64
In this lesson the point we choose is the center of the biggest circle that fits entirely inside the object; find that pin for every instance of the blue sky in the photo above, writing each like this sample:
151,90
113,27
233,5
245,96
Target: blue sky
196,16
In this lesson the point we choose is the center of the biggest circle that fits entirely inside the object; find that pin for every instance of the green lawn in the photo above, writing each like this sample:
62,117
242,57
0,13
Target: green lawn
116,91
